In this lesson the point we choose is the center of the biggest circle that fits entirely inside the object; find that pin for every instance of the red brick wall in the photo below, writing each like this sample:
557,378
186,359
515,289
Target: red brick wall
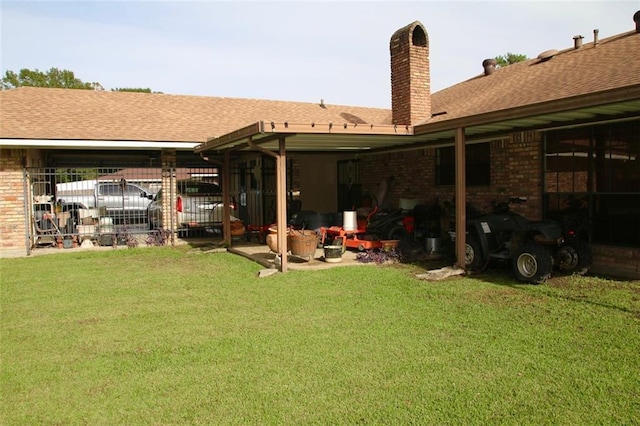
12,201
619,262
515,171
410,79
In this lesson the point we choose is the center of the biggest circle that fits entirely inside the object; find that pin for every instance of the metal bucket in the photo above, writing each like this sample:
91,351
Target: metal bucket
433,245
333,254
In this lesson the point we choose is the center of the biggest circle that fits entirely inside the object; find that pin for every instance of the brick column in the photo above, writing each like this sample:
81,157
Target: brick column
169,220
13,230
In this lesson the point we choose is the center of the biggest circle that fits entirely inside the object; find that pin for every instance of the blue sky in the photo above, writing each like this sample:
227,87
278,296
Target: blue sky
288,50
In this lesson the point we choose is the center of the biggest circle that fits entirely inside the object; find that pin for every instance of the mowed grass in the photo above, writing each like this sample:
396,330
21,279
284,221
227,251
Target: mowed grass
172,336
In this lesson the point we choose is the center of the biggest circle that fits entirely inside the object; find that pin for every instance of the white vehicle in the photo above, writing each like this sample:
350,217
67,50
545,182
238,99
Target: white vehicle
199,206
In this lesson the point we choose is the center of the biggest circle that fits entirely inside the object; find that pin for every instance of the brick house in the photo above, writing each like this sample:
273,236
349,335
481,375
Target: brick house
560,126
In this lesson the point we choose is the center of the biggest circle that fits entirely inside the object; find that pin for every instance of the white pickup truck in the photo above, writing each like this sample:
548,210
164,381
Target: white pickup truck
124,202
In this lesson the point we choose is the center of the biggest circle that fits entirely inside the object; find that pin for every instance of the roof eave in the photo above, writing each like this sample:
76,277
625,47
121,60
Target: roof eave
263,132
612,96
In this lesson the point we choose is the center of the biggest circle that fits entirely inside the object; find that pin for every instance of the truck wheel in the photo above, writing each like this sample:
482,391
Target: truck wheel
573,257
474,259
532,263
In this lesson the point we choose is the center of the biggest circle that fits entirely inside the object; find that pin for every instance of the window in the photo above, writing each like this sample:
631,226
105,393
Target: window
600,165
477,161
110,189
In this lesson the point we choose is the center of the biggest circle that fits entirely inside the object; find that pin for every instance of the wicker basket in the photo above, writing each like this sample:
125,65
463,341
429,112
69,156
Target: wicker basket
302,243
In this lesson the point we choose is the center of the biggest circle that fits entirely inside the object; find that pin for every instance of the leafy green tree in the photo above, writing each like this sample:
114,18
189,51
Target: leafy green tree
132,89
56,78
510,58
63,79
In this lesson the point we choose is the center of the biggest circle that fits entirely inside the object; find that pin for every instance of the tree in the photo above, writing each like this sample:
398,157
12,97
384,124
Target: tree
63,79
510,58
132,89
56,78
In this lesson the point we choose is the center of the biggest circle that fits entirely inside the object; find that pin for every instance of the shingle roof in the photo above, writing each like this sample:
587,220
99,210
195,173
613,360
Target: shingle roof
39,113
613,63
43,113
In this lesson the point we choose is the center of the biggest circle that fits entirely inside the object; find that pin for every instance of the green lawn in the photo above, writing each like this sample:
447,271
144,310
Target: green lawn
172,336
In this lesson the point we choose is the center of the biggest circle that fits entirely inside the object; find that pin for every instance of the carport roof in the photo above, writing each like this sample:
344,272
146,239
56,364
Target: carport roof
311,137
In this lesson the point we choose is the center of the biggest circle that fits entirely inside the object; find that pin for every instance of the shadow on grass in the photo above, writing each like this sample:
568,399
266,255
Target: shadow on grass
561,287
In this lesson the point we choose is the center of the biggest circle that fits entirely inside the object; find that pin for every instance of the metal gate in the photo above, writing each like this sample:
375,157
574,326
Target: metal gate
115,205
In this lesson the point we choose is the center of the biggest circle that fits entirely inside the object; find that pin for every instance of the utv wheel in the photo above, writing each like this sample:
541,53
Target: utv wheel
474,259
532,263
573,257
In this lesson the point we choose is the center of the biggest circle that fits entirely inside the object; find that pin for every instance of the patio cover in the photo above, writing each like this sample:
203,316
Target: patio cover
277,138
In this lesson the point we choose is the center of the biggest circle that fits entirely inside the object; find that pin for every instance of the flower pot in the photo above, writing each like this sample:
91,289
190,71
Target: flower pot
272,242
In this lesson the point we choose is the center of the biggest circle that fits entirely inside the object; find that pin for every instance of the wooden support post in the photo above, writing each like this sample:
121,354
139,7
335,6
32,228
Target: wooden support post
281,194
461,197
226,200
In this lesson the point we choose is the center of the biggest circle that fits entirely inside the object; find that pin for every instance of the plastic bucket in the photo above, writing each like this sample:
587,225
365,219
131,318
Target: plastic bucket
350,221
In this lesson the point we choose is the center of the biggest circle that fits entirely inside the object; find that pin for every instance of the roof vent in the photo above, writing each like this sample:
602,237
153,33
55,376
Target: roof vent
595,37
636,19
577,41
547,54
489,66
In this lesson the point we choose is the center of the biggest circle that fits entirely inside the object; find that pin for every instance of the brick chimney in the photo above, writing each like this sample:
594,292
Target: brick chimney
410,80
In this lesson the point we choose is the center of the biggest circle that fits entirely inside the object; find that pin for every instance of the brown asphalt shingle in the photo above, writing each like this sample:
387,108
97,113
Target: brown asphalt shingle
41,113
613,63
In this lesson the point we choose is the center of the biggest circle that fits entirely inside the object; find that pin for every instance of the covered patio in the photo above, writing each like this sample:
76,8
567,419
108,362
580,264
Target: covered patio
277,139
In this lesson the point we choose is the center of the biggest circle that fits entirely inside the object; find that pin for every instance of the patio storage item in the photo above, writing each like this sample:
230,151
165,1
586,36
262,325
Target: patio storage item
88,213
388,245
333,254
107,239
350,221
433,245
86,230
67,242
302,243
408,203
272,238
272,242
